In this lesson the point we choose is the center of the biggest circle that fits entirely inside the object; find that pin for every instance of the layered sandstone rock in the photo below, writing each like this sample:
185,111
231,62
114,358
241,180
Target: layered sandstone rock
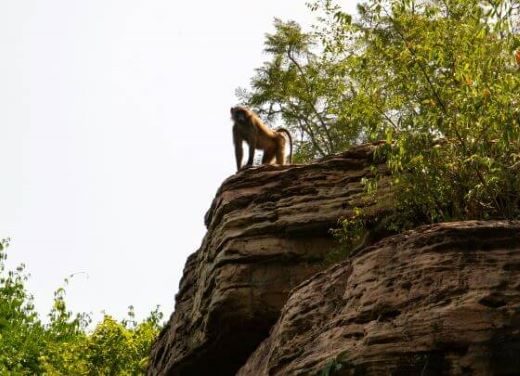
443,299
268,230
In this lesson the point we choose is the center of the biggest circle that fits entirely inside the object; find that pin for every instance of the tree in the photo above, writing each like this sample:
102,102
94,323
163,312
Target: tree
305,88
443,75
436,78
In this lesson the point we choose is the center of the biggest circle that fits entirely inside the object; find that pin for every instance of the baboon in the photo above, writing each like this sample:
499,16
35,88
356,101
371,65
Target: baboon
249,128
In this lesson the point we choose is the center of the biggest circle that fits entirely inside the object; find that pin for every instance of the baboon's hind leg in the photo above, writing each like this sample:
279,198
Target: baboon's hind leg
268,156
280,151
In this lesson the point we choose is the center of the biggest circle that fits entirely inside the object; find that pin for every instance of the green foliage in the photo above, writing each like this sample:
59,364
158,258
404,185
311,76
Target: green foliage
22,334
436,79
444,75
350,234
304,87
64,346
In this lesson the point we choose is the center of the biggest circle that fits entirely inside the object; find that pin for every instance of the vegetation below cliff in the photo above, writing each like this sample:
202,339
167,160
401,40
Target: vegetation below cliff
66,345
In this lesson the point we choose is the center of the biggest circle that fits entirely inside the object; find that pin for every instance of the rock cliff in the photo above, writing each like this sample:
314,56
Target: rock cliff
268,230
260,296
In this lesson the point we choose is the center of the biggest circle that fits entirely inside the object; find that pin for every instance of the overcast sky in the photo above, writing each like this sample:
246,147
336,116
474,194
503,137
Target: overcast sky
115,136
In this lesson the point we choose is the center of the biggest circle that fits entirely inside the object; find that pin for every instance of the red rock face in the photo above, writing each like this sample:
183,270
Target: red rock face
443,299
268,230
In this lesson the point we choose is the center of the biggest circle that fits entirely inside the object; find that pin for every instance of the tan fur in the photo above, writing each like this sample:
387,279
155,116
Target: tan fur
249,128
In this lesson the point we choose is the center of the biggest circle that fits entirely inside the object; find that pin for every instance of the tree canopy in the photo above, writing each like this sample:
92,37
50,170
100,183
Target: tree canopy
437,79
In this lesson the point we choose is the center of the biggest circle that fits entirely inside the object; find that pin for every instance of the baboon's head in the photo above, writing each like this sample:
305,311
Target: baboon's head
239,114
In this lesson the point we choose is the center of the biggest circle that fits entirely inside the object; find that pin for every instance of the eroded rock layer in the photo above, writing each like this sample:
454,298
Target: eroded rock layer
268,230
442,299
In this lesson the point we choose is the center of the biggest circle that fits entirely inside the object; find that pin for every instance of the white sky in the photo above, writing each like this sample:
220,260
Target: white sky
115,135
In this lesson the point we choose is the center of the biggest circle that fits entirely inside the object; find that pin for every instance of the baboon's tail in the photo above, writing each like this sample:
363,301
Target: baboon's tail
283,130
